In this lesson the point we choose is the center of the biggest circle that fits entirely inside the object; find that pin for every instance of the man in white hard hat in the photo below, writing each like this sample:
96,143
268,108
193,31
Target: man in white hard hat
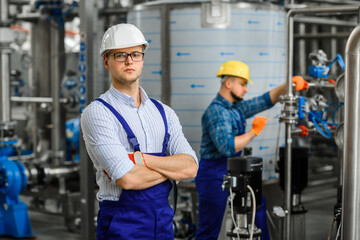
224,136
136,144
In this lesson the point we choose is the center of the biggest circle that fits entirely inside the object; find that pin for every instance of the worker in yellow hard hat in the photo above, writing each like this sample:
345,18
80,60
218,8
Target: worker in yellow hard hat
224,136
136,144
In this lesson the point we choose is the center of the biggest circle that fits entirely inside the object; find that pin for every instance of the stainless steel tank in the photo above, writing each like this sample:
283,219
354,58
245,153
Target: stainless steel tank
189,40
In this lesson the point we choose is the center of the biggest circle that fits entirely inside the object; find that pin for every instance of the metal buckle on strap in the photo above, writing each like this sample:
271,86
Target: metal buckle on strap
134,142
166,139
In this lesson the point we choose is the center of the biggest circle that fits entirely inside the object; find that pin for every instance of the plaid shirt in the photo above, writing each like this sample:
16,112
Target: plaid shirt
222,121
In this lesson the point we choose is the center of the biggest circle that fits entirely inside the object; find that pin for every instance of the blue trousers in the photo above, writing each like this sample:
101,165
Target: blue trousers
139,214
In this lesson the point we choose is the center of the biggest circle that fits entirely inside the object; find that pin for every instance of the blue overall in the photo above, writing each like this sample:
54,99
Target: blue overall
139,214
212,199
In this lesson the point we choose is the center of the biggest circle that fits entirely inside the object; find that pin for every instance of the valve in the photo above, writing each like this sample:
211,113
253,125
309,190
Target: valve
305,131
300,83
318,69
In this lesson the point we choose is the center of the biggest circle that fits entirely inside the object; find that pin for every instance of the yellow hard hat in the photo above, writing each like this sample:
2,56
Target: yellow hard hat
235,68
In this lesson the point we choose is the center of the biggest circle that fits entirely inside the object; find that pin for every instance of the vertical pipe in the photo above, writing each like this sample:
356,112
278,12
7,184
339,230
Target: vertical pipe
4,11
5,85
88,15
57,51
333,49
302,50
41,85
5,50
165,56
351,170
288,124
314,42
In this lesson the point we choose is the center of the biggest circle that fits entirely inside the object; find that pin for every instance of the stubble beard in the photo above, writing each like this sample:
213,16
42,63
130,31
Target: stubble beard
236,98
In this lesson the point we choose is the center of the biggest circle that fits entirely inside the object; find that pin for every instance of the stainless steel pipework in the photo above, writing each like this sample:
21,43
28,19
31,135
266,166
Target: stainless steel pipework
37,99
351,167
289,100
6,37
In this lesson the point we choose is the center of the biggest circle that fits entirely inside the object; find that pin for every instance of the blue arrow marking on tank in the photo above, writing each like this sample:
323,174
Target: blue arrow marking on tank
261,147
82,67
156,72
226,53
82,100
272,84
196,86
183,54
82,57
263,54
172,22
82,78
82,89
82,46
253,22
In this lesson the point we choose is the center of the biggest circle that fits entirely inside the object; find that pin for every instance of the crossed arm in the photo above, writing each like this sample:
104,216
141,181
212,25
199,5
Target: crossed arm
159,169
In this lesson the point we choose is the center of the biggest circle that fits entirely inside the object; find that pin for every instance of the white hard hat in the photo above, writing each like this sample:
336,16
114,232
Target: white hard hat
122,35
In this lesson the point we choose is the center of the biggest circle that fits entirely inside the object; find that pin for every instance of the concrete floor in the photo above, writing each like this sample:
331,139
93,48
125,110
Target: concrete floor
319,200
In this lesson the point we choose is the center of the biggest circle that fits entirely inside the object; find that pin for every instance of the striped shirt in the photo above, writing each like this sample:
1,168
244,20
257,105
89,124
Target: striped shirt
222,121
106,140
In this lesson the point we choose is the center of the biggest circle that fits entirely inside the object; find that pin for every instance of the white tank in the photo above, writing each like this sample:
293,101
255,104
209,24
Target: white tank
188,43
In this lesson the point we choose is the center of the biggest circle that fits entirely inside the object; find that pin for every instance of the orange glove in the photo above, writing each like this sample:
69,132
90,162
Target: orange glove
258,124
137,158
300,83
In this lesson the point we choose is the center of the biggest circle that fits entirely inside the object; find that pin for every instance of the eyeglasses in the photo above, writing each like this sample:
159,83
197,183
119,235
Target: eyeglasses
121,56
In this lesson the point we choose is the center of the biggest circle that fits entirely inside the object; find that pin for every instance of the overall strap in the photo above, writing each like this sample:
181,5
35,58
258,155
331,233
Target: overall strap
130,135
162,112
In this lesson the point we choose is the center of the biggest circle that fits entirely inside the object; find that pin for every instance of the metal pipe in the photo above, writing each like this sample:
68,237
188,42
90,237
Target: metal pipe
297,131
61,171
333,49
321,84
5,85
351,171
4,11
20,2
288,127
40,85
302,50
87,182
37,99
28,16
5,50
57,49
322,35
289,93
324,21
165,56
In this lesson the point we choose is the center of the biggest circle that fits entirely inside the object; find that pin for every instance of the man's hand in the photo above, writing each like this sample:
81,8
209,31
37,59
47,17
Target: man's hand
258,124
137,158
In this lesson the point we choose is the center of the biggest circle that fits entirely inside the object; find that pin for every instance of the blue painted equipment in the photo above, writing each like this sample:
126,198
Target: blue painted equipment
319,69
73,139
301,106
14,218
320,124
